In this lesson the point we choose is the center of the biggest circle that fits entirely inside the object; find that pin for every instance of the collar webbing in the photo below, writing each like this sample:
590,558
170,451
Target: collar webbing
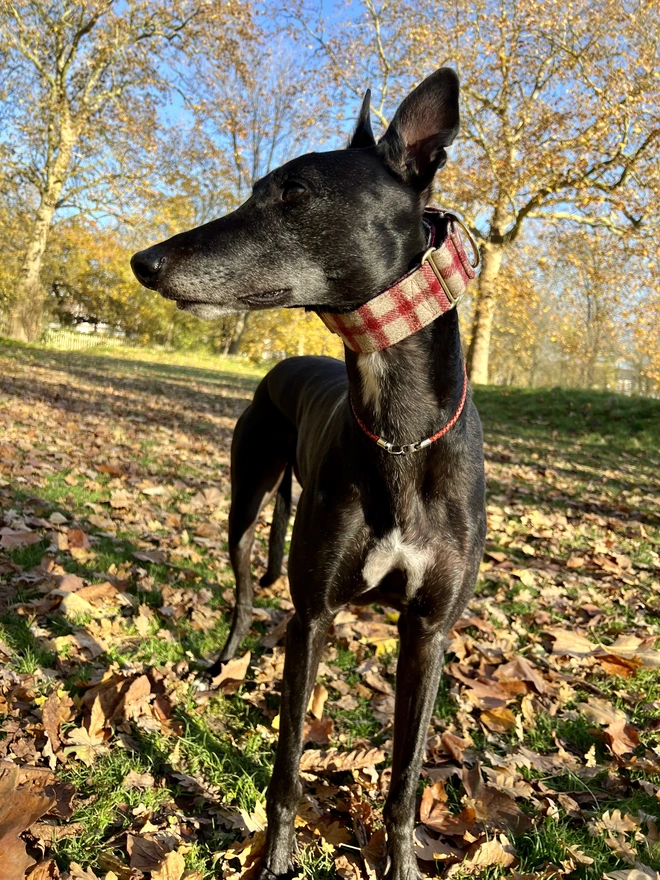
416,299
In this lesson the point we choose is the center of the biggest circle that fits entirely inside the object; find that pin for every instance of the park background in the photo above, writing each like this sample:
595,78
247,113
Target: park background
124,122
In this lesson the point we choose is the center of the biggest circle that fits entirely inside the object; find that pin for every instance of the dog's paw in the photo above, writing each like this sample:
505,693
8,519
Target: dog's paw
266,874
401,868
403,872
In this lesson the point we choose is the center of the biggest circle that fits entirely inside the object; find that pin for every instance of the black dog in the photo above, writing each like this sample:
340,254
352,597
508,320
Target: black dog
329,231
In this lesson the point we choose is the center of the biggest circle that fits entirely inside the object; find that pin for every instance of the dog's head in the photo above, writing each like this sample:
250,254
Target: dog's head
326,230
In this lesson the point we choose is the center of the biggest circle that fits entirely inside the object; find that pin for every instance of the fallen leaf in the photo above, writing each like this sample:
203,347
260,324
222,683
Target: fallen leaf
232,673
11,539
520,669
172,868
158,557
85,747
576,853
498,720
569,643
317,700
601,711
47,870
429,848
140,781
639,872
621,737
145,853
20,807
334,761
120,499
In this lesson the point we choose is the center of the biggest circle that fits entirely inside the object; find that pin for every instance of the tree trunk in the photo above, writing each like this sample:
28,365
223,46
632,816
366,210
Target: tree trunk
482,327
239,330
26,314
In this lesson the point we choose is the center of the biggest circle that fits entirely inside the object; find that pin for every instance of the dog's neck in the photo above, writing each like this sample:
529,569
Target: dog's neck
410,390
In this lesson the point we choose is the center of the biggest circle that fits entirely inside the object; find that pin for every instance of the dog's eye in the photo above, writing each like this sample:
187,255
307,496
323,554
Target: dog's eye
292,191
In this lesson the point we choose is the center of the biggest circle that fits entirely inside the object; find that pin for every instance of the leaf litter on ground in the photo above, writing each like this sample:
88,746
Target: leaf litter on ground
543,756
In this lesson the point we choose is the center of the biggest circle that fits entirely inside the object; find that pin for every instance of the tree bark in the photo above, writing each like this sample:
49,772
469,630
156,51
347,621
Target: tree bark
482,326
26,314
239,330
25,317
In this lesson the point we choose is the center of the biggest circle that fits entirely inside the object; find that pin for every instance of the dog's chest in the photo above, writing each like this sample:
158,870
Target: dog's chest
394,552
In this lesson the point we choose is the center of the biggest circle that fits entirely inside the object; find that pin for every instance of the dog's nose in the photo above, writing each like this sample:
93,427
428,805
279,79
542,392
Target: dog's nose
146,265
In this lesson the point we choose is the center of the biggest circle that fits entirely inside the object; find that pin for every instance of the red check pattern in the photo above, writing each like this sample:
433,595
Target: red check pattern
413,302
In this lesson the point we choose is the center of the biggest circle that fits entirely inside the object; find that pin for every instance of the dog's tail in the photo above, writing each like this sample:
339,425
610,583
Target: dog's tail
278,529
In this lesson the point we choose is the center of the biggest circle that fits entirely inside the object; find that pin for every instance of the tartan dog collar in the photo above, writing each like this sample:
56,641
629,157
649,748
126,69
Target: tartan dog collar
416,299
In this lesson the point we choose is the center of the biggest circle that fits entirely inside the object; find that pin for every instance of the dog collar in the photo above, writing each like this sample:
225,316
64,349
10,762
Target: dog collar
416,299
406,448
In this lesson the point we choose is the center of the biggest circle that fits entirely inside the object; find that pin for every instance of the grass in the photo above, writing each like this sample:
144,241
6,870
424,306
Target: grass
571,473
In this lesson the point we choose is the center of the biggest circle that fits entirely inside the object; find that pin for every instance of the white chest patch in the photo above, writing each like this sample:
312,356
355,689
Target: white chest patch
372,370
394,552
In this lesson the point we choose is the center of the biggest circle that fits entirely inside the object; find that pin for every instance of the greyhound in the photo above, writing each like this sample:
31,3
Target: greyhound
398,521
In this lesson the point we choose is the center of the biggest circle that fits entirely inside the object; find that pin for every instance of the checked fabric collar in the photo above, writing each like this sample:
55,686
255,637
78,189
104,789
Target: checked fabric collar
416,299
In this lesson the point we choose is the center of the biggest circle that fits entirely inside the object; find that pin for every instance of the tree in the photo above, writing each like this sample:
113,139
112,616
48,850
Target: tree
83,83
249,119
560,112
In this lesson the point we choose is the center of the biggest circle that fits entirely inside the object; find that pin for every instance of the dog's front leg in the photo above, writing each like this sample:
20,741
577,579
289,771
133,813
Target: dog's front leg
305,639
417,678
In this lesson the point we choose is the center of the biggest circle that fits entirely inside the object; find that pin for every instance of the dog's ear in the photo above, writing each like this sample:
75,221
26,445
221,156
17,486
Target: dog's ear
363,136
426,122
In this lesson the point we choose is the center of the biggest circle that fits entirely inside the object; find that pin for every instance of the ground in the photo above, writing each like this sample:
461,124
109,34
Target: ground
544,754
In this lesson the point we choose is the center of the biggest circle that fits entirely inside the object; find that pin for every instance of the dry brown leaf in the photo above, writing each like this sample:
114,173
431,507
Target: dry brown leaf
248,853
496,809
136,697
348,868
158,557
77,872
139,781
491,853
172,868
145,853
622,738
317,700
318,732
435,814
335,833
334,761
99,592
577,855
601,711
377,683
11,539
569,643
120,499
74,605
520,669
631,647
142,623
232,673
454,746
498,720
47,870
616,823
639,872
429,848
85,747
20,807
51,719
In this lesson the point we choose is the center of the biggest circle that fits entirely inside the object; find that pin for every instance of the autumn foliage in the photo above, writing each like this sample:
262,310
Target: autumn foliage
147,119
